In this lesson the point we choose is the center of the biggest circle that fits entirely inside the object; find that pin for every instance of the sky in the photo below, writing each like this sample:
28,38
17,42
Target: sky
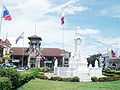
99,22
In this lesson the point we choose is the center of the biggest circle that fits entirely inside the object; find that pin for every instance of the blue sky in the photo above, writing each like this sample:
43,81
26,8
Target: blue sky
99,20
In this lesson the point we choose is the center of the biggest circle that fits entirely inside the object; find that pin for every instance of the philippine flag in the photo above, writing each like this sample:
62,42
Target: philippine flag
62,19
21,36
6,14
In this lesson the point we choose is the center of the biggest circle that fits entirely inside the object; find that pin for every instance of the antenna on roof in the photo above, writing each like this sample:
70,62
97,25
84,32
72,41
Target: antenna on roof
6,35
35,29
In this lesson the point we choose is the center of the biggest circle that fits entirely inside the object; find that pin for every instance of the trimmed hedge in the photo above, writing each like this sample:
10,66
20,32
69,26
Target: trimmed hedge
41,76
94,79
75,79
12,74
44,69
56,78
5,83
112,75
26,76
18,78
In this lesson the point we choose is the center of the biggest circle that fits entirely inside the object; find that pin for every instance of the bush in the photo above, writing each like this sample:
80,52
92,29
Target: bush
94,79
116,77
109,75
35,71
12,74
56,78
67,79
44,69
75,79
117,73
5,83
102,79
42,77
110,79
26,76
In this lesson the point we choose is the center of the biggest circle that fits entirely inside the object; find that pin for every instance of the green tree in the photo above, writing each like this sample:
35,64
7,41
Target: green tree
91,60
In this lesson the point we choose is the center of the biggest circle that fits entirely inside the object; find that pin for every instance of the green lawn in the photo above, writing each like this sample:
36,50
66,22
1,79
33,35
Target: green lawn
38,84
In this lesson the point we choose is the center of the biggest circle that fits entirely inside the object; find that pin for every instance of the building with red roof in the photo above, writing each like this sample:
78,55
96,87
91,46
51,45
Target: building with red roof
29,56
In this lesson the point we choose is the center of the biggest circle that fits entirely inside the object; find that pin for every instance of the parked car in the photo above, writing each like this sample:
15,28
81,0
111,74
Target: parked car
7,65
22,68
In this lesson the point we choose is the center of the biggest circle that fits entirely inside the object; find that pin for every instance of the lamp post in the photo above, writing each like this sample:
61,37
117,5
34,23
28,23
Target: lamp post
107,58
107,45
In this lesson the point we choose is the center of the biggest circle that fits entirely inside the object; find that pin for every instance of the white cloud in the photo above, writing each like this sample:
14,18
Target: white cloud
27,13
89,31
112,11
71,9
68,8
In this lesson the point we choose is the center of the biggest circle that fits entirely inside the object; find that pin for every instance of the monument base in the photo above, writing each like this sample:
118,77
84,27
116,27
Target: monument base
78,69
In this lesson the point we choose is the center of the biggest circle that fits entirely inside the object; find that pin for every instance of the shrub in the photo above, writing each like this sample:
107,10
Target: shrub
56,78
105,79
67,79
26,76
116,77
102,79
35,71
5,83
42,77
75,79
44,69
110,79
12,74
109,75
117,73
94,79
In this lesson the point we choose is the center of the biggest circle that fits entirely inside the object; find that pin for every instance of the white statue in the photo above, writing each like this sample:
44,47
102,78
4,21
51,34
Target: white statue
96,64
56,62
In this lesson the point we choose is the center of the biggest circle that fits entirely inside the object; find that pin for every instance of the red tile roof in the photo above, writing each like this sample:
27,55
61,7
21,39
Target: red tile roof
19,51
1,45
45,51
7,41
34,37
51,51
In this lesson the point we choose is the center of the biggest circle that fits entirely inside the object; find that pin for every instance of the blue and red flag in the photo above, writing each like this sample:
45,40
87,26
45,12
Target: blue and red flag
62,20
6,14
112,53
21,36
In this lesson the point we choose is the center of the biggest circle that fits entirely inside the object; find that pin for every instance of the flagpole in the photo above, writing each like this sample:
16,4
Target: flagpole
63,43
35,28
62,29
1,19
23,51
62,36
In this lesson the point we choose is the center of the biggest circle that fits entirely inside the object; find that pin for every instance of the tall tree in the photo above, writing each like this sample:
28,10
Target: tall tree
91,60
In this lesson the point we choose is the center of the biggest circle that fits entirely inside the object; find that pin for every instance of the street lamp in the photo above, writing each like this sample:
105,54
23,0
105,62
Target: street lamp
107,45
107,58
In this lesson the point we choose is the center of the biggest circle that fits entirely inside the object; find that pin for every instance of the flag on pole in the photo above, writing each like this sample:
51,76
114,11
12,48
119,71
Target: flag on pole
21,36
6,14
62,18
112,53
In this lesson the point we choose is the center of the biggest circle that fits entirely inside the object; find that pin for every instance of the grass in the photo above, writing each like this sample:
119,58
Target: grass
38,84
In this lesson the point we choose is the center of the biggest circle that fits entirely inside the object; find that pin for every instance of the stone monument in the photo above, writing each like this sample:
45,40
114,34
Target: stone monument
78,64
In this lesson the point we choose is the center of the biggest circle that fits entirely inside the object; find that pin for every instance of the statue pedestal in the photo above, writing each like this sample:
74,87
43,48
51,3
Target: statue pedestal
56,70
